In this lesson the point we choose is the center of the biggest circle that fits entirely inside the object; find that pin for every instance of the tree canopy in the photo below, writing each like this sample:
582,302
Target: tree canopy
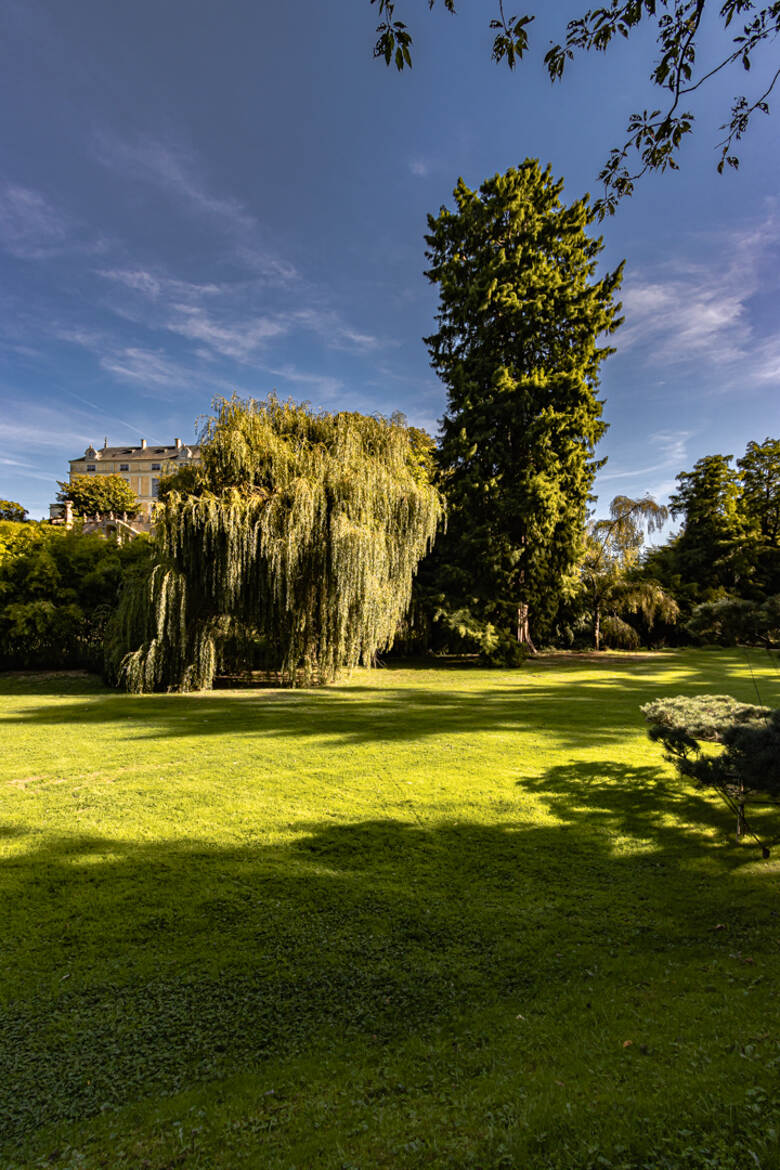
57,591
517,347
613,587
729,543
10,510
694,41
748,767
295,546
97,495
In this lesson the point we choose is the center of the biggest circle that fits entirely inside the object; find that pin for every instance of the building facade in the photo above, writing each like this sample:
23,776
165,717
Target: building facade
141,466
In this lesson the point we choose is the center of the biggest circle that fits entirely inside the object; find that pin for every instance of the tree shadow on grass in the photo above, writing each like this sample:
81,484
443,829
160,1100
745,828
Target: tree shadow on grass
641,803
617,800
592,710
139,970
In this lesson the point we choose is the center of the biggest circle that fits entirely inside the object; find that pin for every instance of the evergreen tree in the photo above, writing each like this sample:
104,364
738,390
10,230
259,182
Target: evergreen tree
759,505
520,315
706,554
296,541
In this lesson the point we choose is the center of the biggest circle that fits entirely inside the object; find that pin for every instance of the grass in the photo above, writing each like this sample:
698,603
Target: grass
427,918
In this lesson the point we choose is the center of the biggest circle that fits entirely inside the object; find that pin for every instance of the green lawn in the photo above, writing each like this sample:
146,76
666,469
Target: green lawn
426,918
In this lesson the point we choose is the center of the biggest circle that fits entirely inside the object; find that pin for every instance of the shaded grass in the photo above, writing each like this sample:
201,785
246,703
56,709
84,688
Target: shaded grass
424,918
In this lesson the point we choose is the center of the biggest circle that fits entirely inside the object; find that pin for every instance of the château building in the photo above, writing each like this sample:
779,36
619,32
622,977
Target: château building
141,466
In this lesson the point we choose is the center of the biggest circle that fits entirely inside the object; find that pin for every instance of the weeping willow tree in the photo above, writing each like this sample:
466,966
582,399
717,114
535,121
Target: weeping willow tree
298,538
611,574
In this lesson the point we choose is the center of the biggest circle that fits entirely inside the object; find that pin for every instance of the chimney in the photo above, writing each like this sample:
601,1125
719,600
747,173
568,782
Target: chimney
143,444
178,443
105,442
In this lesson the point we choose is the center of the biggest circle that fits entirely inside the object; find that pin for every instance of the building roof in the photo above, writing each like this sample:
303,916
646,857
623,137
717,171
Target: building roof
171,451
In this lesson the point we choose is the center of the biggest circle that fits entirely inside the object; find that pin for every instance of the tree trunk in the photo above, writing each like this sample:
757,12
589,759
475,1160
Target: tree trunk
597,628
741,823
523,628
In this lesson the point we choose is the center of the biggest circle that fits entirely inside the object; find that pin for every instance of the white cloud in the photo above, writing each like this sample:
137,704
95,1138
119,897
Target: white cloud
130,363
672,448
156,285
419,167
86,338
336,334
215,315
702,311
146,366
322,384
766,360
176,172
41,429
238,341
30,228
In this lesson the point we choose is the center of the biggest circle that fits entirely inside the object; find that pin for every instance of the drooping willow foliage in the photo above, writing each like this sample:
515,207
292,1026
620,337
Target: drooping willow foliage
294,545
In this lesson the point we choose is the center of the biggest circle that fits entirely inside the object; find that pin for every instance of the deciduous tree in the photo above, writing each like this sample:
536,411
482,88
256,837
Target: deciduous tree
57,590
612,585
297,540
10,510
97,495
736,31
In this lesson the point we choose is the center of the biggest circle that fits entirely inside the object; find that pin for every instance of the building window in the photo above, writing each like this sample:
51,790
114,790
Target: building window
124,466
90,467
155,467
155,488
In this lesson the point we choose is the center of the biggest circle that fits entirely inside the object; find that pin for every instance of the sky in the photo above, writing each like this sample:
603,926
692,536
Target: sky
201,198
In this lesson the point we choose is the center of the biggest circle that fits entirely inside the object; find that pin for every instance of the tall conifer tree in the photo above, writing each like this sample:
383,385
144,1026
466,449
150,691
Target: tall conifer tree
520,317
707,552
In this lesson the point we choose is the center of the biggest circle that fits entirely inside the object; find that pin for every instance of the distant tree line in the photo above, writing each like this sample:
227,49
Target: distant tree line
716,580
58,588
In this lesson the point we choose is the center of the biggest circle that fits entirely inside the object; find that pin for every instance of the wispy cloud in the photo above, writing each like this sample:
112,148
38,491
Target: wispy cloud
658,476
322,384
419,167
156,285
30,228
702,311
148,367
215,316
672,449
334,331
766,360
131,363
239,340
175,171
41,429
102,413
687,318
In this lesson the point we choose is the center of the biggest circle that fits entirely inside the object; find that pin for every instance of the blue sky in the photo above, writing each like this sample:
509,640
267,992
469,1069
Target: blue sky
197,198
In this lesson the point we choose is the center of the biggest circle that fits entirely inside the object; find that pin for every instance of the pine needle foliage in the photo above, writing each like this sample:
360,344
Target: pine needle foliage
521,322
298,540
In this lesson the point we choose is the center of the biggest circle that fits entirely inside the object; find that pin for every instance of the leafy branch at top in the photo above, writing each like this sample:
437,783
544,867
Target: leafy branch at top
654,137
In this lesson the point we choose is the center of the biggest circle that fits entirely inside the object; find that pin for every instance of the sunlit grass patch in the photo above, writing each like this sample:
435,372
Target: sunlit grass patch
426,917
